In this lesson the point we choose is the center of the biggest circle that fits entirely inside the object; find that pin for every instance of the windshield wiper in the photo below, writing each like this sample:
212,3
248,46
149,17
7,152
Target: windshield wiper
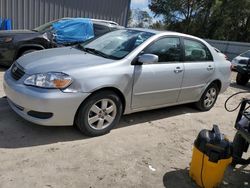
80,47
95,52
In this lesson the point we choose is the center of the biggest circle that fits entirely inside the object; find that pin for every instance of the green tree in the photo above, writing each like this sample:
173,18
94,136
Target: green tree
215,19
176,12
140,18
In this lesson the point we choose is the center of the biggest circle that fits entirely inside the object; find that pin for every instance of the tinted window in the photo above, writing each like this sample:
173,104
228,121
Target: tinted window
167,49
196,51
100,29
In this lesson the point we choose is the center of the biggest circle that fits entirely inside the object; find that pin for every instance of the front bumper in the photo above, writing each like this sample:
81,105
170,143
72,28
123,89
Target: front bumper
24,99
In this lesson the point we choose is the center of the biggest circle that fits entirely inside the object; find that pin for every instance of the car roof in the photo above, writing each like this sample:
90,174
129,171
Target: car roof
98,21
160,32
147,30
105,21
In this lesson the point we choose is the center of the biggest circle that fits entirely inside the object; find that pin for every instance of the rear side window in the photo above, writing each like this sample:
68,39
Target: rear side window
167,49
196,51
100,30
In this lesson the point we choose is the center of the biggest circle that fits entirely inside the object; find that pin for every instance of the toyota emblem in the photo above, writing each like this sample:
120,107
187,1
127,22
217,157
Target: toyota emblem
14,69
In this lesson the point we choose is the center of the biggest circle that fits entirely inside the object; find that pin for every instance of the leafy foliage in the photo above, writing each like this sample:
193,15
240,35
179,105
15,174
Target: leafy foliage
214,19
141,18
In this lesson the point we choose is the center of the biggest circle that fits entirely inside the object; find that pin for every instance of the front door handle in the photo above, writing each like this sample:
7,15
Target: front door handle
210,68
178,70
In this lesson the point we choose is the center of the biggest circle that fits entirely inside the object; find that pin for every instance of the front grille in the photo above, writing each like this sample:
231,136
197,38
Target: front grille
16,72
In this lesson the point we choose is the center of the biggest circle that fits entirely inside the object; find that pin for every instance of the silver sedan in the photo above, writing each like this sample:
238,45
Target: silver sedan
125,71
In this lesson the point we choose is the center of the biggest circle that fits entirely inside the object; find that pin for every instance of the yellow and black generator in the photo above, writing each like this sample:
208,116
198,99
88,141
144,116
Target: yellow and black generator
211,156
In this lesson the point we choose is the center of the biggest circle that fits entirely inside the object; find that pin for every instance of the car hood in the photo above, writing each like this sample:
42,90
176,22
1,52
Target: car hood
16,32
59,60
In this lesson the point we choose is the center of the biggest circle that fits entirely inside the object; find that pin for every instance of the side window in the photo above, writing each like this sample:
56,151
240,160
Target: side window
196,51
167,49
100,30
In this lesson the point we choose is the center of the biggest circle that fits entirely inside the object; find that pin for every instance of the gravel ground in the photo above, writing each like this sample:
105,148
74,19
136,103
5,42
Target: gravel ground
147,149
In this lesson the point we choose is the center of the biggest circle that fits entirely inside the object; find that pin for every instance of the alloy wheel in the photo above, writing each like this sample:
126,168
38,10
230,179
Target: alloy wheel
210,97
102,114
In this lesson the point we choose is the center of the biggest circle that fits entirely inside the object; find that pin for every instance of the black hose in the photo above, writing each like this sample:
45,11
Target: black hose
232,110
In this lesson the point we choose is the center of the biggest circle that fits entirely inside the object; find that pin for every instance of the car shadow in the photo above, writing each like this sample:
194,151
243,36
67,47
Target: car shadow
233,178
16,132
237,177
158,114
246,87
178,178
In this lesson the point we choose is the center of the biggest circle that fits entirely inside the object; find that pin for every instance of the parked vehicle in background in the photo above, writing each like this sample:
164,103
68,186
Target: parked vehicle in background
16,43
241,60
243,74
121,72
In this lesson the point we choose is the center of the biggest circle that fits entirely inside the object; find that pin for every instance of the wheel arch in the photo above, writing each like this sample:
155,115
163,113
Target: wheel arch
24,48
217,82
113,89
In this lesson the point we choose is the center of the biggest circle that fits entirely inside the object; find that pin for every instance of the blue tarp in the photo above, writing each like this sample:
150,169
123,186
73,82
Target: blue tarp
5,24
73,30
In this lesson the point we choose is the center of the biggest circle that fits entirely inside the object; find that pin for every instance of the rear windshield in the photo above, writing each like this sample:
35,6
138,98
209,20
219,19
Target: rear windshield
45,27
246,54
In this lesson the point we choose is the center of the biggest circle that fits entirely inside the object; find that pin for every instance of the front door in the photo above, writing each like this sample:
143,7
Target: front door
158,84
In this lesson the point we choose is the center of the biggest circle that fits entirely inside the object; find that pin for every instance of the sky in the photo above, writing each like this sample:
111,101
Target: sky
141,4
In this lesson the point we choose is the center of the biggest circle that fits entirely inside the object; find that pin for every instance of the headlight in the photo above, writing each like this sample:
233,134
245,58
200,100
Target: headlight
5,39
49,80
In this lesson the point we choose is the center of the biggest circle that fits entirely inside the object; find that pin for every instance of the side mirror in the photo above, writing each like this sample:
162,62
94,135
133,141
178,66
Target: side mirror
146,59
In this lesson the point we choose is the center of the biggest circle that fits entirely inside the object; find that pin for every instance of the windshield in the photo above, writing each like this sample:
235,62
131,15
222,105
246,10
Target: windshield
45,27
116,44
246,54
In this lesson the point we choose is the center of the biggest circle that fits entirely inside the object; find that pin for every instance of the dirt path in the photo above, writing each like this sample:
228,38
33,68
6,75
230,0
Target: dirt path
36,156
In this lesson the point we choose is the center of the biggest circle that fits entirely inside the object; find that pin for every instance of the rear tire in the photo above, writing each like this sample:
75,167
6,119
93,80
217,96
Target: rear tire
99,113
242,79
208,98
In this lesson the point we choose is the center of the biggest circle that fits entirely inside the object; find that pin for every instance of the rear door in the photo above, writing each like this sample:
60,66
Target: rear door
199,69
157,84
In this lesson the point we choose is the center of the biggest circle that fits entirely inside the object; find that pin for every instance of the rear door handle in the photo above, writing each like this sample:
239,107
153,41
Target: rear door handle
178,70
210,68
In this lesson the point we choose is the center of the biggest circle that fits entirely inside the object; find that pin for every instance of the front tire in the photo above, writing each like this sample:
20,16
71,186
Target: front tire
242,79
208,98
99,113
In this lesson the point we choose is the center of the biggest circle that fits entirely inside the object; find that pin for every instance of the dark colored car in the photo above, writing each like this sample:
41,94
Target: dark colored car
243,70
16,43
